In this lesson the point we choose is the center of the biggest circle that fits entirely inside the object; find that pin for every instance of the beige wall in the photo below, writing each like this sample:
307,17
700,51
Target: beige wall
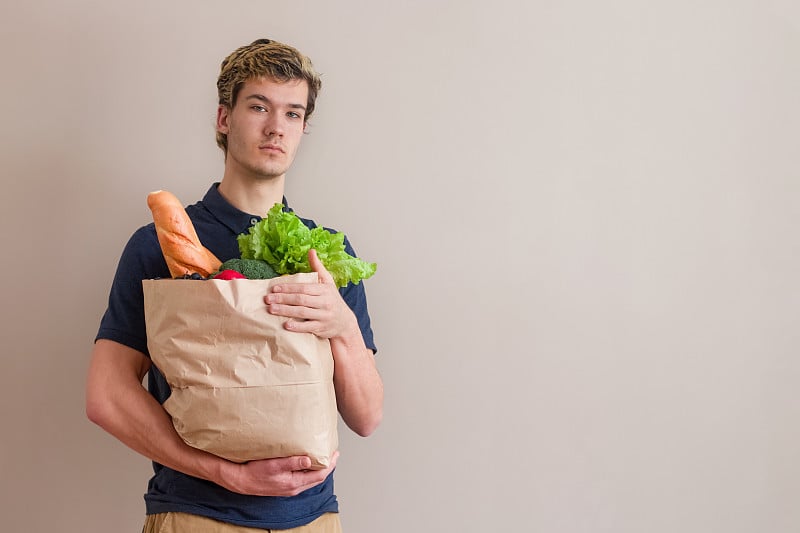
585,216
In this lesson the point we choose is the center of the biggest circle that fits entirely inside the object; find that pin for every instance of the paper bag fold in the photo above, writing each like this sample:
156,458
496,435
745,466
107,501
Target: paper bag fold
243,387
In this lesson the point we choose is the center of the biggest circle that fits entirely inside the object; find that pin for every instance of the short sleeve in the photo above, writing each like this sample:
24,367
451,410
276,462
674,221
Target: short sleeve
356,298
123,320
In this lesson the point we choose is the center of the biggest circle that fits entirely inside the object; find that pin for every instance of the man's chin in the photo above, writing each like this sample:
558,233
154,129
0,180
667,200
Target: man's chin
271,174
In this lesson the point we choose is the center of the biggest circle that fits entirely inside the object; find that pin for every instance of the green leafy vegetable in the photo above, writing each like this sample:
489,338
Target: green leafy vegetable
282,240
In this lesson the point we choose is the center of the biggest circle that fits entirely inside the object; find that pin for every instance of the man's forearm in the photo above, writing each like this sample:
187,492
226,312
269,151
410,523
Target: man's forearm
359,388
117,402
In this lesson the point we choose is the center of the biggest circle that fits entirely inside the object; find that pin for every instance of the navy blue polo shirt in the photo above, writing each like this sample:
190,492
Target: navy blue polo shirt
218,224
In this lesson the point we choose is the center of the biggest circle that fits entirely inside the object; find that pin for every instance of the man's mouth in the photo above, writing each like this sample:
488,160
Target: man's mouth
271,148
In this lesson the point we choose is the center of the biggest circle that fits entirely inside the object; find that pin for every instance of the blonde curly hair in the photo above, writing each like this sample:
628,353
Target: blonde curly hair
264,58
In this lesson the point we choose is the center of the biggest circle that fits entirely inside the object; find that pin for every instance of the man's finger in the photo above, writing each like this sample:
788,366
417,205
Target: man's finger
318,267
321,474
296,463
312,289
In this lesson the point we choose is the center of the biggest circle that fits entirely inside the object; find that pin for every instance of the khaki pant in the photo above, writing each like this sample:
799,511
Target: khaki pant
188,523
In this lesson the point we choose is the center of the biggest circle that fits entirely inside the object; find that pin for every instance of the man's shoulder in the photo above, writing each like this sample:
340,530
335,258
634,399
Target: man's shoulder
143,241
142,257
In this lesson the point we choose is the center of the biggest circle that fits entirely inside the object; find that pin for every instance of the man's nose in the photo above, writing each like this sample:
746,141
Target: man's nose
274,125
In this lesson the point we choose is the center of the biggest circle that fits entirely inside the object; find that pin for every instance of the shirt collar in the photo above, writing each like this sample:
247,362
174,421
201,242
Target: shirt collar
237,221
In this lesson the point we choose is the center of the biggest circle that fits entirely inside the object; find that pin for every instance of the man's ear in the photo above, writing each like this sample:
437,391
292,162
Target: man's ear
223,113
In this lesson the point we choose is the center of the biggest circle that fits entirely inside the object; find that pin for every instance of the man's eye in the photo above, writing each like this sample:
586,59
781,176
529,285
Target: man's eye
292,114
259,108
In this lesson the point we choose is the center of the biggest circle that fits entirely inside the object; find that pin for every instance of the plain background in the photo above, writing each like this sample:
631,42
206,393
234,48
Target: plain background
585,216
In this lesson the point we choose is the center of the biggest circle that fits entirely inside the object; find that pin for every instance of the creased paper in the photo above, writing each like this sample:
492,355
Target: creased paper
243,388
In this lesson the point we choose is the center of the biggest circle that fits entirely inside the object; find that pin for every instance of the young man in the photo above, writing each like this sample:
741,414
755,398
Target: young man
267,92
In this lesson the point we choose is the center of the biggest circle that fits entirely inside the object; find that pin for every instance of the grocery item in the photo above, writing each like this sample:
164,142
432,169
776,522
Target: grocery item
178,239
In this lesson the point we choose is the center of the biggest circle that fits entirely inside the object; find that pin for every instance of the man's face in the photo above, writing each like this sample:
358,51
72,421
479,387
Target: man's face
264,127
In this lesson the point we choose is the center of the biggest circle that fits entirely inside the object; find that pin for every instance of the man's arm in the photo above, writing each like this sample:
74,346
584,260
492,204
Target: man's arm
117,402
359,388
321,310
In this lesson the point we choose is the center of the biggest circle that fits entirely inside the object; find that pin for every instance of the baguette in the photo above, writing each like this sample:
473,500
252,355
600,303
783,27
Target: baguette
177,237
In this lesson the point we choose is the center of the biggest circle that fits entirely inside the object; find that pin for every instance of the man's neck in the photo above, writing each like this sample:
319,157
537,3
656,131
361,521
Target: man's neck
255,197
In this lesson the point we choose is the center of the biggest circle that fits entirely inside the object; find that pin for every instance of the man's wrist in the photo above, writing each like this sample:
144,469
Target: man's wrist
225,474
351,336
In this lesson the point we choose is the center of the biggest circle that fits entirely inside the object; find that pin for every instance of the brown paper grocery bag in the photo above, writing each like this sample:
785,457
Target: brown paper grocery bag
243,388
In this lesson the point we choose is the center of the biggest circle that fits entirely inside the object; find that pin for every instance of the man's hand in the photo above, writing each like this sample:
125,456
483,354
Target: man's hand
316,308
286,476
117,401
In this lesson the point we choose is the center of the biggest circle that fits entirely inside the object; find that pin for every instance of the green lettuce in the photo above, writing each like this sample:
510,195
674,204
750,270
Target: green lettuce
282,240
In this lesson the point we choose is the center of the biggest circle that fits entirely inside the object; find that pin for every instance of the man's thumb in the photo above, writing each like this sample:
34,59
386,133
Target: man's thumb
298,462
317,266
